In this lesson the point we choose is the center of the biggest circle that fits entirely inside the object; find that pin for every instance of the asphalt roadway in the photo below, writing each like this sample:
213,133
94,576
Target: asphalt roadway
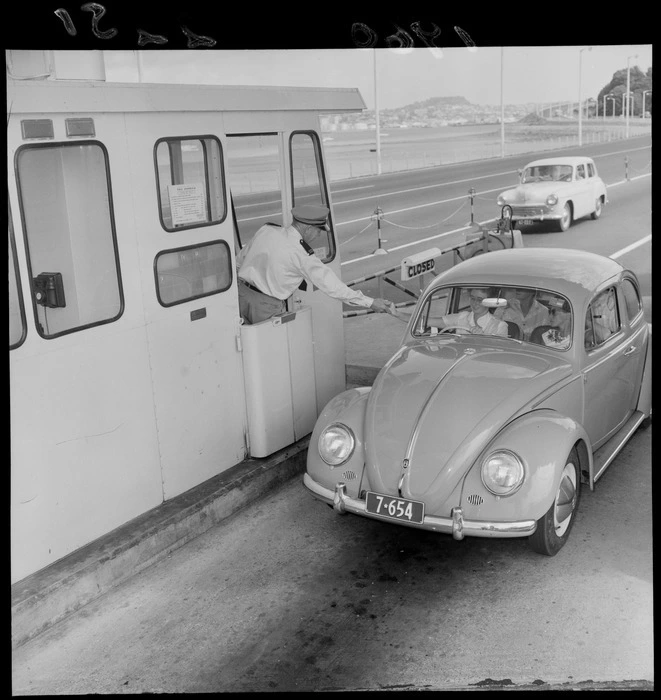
286,595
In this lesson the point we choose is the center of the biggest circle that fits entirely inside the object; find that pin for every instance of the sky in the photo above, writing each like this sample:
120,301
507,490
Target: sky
529,74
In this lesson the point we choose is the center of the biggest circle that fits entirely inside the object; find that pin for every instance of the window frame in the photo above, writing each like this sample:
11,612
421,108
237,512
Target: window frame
113,230
321,174
631,319
223,187
17,275
192,246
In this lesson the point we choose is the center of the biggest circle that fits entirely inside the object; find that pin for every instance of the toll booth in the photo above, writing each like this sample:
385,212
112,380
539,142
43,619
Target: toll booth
132,378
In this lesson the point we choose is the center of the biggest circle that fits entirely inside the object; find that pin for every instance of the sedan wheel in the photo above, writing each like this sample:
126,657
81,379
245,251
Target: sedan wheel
554,526
597,209
565,222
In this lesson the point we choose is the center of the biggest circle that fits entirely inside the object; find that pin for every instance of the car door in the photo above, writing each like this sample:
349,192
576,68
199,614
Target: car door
583,200
611,364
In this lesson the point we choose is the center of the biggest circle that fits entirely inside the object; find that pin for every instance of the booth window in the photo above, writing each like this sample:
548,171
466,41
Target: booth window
192,272
309,184
189,173
17,325
66,207
254,172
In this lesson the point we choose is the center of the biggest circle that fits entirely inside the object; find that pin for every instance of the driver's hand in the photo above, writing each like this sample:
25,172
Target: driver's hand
476,330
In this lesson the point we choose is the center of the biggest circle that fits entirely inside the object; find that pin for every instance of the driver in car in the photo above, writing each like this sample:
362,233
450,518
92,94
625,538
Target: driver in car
476,321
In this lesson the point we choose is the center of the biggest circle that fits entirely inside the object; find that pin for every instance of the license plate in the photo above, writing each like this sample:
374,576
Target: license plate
525,222
395,508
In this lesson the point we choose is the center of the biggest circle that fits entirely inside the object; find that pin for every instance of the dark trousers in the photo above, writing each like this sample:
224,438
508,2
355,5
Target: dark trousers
255,306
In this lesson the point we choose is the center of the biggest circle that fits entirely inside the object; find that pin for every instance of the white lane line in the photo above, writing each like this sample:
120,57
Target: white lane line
631,247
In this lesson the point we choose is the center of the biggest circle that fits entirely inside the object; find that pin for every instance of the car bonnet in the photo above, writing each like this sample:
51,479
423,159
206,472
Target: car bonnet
438,403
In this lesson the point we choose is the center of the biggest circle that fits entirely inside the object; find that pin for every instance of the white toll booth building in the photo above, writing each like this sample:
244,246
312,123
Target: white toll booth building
132,379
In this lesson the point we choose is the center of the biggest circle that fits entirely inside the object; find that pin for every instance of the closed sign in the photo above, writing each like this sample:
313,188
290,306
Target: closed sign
418,264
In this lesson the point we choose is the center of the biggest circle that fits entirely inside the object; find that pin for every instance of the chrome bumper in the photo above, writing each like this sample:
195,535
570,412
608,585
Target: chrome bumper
455,525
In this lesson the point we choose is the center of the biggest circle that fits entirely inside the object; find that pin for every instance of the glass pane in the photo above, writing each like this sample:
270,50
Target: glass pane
308,185
72,252
190,182
253,172
532,315
194,272
604,321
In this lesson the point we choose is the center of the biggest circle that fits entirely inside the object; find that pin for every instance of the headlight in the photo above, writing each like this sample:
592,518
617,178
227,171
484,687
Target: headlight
336,444
502,473
501,200
552,200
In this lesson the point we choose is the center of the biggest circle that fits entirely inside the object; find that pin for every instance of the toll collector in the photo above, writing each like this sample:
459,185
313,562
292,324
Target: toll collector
278,260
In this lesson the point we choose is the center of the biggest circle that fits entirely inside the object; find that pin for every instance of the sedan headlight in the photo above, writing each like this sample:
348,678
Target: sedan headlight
502,473
501,200
336,444
552,200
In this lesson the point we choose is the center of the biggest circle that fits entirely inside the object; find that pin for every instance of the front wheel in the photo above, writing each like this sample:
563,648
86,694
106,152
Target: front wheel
554,526
598,205
565,222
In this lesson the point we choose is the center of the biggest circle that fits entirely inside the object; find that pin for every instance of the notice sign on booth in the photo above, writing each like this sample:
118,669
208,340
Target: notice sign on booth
419,264
187,204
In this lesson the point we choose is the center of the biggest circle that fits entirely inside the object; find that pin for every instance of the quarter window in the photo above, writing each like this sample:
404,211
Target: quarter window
591,172
189,172
66,206
309,185
192,272
631,298
602,319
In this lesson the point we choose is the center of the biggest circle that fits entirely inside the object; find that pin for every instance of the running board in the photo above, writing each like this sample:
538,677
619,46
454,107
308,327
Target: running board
607,452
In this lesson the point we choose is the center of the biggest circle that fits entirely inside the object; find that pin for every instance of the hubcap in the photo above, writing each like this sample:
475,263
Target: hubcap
565,500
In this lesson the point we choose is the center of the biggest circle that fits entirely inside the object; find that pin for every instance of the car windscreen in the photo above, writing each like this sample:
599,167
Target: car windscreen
528,314
547,173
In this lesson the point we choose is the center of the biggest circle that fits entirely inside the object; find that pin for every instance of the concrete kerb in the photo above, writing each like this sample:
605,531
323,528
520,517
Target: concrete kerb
48,596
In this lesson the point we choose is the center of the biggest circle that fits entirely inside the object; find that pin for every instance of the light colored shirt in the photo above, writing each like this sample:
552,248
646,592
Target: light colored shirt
486,323
538,315
276,263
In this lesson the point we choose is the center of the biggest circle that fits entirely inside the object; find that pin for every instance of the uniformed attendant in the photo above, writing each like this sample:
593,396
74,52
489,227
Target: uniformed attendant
272,266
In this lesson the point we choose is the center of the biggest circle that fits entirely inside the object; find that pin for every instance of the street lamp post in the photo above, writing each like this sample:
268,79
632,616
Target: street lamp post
645,92
625,103
376,120
626,131
612,99
606,97
580,105
502,107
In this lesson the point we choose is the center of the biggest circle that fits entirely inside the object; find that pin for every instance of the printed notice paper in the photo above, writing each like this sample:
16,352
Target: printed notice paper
187,203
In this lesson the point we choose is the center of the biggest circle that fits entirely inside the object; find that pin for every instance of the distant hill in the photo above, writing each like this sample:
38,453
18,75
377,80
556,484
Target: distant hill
439,102
533,118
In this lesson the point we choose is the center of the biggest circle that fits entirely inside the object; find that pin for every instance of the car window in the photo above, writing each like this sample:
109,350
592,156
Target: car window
631,298
591,170
528,314
602,319
542,173
580,172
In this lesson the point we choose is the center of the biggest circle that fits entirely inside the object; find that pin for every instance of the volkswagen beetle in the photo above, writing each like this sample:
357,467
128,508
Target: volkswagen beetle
560,190
489,428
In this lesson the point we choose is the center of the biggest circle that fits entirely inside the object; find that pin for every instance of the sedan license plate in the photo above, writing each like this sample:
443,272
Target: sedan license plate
525,222
395,508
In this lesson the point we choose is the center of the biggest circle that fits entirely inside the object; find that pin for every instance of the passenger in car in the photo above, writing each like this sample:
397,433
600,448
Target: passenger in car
524,310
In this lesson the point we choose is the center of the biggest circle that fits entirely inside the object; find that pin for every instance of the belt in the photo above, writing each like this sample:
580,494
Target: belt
251,286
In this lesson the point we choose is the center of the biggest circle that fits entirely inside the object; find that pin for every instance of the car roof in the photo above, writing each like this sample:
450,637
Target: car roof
560,160
573,273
